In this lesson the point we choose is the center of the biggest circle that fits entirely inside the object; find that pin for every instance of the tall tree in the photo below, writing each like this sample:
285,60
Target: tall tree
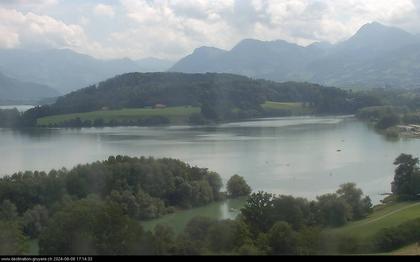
238,187
406,184
360,206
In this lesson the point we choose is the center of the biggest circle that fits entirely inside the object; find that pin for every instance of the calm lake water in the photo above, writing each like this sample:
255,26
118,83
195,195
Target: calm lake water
302,156
20,108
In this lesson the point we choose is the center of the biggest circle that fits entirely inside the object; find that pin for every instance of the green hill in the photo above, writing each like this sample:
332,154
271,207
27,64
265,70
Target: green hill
219,97
383,217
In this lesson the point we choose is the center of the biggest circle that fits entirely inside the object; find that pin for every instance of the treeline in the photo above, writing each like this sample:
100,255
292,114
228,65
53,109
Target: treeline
96,208
267,225
157,185
398,107
220,96
99,122
286,225
9,118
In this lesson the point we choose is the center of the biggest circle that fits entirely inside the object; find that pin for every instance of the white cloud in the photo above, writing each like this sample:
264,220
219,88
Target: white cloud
33,29
32,5
19,30
184,25
104,10
84,21
28,2
8,39
173,28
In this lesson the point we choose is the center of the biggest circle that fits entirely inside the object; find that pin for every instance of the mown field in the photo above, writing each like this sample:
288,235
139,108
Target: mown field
174,114
383,217
363,231
293,108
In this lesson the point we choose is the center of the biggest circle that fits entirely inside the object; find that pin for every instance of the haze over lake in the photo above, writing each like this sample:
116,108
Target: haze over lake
20,108
302,156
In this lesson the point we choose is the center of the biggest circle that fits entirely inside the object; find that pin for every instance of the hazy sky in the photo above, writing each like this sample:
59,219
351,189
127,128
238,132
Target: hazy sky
173,28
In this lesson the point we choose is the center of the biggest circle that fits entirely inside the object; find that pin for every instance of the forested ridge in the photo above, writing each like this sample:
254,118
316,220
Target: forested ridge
220,97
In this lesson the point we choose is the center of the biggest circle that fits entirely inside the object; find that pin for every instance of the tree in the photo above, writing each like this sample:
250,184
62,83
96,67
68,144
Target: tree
164,240
215,182
282,239
360,207
12,240
202,193
388,121
257,211
406,184
221,236
332,211
238,187
197,228
9,117
8,211
294,211
309,241
149,207
91,227
35,220
249,249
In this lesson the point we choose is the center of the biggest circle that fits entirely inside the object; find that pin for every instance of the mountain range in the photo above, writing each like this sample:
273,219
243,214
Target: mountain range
376,56
12,91
65,70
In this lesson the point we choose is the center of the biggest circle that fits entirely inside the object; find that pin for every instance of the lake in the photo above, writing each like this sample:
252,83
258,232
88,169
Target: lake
20,108
302,156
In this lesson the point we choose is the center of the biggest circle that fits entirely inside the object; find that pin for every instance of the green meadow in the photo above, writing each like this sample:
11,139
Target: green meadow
384,216
174,114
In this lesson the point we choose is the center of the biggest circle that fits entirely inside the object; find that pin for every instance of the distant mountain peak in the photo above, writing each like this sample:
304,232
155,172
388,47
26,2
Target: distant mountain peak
208,50
250,42
374,24
320,45
375,29
376,36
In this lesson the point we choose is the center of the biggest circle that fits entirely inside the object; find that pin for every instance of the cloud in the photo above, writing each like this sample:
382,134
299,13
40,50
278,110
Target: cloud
173,28
188,24
37,30
28,2
8,39
20,30
30,5
104,10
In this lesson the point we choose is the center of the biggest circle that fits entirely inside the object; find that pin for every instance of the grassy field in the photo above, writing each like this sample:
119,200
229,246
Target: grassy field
383,217
293,108
33,247
410,250
174,114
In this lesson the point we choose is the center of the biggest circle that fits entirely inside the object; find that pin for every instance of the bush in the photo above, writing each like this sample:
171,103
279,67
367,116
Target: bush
389,239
